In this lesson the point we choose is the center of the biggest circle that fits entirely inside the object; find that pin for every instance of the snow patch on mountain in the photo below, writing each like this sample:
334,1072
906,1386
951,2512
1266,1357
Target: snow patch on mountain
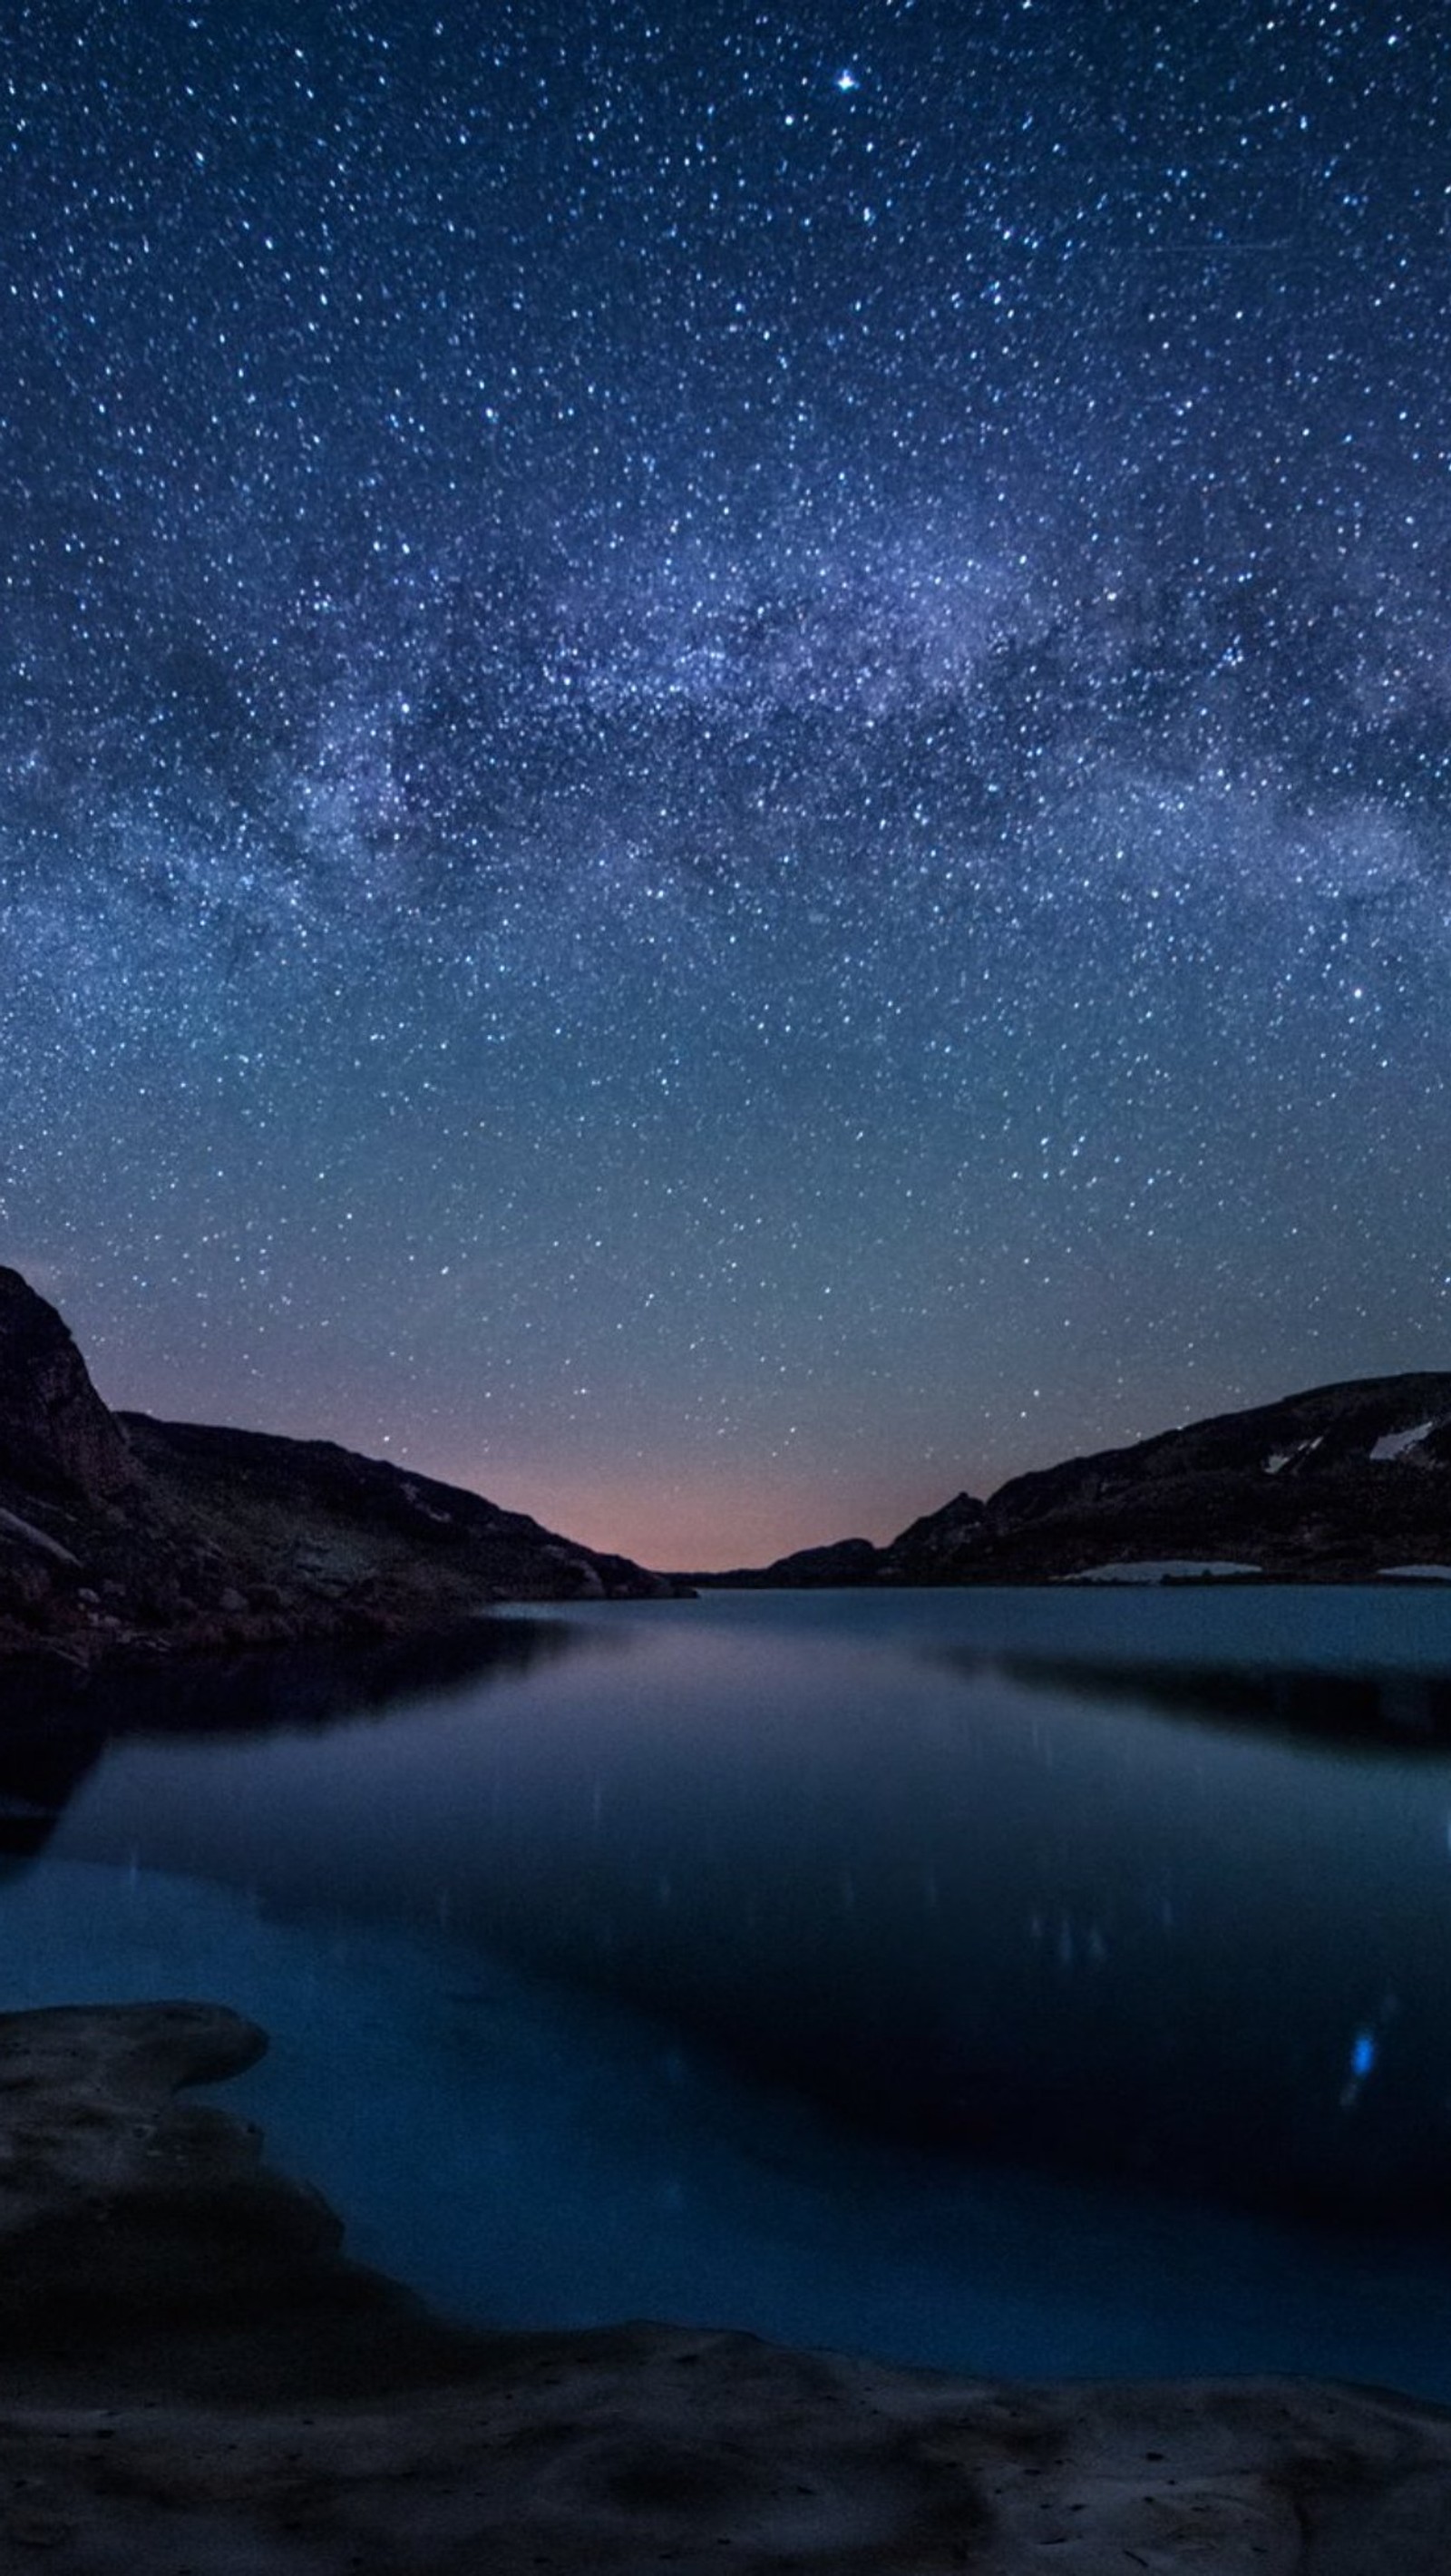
1162,1569
1398,1444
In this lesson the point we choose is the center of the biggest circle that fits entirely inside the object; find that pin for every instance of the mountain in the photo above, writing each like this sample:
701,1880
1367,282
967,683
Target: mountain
56,1436
929,1547
808,1569
1336,1485
124,1538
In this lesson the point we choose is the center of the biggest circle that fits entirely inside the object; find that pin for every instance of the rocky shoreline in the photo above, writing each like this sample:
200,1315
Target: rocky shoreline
193,2379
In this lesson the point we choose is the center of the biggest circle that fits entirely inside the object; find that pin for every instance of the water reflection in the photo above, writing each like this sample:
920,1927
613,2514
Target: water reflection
39,1774
55,1727
960,1911
1398,1712
1081,1896
1010,1906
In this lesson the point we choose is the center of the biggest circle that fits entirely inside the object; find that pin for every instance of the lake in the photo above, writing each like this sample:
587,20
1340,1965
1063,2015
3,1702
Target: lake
1019,1981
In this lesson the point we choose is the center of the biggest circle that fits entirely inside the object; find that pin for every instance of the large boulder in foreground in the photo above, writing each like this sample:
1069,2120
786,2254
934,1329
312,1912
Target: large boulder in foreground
192,2378
56,1436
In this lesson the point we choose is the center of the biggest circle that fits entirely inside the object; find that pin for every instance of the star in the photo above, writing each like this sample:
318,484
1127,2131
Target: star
779,780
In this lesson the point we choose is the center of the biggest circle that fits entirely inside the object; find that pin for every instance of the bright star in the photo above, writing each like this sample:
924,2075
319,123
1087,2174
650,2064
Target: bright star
846,80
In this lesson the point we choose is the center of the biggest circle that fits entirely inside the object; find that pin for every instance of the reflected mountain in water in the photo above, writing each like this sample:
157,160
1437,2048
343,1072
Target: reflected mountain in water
53,1734
1393,1712
39,1775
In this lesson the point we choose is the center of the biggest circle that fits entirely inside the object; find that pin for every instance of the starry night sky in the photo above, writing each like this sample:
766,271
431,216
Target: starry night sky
725,757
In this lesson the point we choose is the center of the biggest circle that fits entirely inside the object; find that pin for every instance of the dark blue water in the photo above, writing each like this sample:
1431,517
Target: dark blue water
1040,1982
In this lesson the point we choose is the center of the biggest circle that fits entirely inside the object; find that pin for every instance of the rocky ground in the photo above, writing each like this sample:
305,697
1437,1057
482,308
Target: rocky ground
193,2381
127,1540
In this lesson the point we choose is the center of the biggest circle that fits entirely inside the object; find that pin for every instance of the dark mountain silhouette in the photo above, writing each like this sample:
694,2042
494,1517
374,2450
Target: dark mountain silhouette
1337,1485
127,1539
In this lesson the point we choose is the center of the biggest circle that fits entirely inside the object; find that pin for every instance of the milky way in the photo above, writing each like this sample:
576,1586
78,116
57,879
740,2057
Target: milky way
726,734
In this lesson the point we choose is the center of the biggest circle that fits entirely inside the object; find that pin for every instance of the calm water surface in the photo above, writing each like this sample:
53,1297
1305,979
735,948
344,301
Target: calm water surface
1050,1982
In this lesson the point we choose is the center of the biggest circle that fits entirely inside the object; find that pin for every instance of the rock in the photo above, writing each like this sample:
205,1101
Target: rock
26,1588
38,1541
111,2197
132,2222
192,2377
56,1436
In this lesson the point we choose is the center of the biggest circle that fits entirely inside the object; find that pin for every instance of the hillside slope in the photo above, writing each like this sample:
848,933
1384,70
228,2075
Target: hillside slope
1336,1485
121,1536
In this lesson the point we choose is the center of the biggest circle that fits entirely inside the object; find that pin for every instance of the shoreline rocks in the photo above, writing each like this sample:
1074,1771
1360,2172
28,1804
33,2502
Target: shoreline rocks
192,2376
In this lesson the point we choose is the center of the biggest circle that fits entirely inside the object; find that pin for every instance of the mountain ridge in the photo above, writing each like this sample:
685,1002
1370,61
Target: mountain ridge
123,1535
1338,1483
127,1538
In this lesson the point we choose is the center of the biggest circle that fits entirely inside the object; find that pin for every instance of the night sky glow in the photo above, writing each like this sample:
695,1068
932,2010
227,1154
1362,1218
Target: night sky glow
725,756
